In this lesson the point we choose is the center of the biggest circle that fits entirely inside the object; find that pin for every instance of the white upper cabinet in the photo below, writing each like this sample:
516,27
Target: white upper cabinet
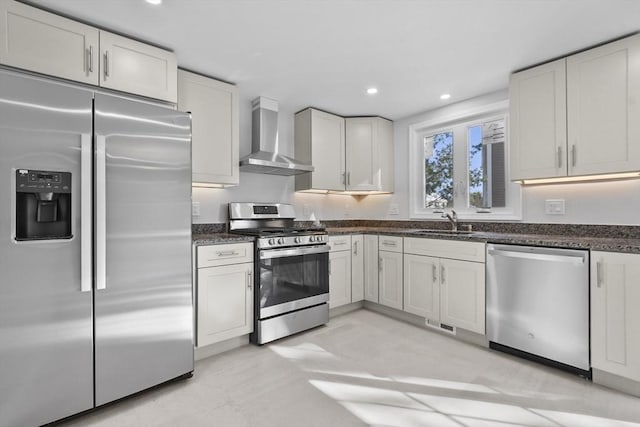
214,128
39,41
577,116
603,106
139,68
353,154
538,117
369,142
319,140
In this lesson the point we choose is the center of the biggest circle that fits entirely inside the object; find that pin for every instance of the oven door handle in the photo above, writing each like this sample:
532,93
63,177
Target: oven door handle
280,253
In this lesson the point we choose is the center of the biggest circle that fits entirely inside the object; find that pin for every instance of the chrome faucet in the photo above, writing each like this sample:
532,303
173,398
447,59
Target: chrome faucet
453,219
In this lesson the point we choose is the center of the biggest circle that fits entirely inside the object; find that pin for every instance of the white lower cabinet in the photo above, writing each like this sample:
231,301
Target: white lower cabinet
615,317
357,268
462,294
422,286
449,291
371,268
224,293
339,271
390,272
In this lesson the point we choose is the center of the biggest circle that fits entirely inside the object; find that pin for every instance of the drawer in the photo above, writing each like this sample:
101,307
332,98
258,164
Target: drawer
390,243
441,248
232,253
340,243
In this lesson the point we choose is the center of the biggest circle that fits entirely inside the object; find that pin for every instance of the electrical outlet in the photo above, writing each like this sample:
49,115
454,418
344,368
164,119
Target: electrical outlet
554,206
195,208
394,209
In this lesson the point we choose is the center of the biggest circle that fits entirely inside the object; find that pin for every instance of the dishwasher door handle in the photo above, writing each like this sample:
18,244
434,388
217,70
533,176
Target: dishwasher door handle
578,258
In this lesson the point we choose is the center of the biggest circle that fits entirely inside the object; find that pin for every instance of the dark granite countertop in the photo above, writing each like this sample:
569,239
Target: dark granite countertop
569,237
627,245
203,239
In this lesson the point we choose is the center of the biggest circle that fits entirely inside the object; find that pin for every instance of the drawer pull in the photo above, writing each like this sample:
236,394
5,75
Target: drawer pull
342,243
389,243
227,253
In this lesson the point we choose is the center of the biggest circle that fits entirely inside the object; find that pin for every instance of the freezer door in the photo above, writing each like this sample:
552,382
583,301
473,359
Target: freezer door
143,297
46,334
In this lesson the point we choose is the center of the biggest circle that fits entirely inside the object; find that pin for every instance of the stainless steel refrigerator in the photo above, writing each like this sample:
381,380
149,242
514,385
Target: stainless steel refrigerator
95,248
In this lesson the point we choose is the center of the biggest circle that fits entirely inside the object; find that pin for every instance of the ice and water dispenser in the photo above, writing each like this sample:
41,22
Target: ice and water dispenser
43,205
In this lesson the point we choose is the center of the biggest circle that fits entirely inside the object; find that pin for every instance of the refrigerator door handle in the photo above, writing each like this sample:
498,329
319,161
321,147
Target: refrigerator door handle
101,222
86,200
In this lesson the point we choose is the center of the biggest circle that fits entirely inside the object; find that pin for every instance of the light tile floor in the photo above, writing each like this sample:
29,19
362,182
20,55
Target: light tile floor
367,369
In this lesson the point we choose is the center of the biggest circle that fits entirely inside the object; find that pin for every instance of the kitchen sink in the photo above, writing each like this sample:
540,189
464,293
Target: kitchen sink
428,231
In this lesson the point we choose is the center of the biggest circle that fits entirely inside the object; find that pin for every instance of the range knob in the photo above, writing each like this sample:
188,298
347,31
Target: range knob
297,239
312,238
272,241
320,238
280,241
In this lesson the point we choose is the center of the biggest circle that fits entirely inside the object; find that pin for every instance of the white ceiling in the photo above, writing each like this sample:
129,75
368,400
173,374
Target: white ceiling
325,53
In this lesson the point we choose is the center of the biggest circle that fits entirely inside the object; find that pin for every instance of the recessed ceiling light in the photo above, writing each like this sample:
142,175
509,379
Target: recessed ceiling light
372,91
154,2
445,96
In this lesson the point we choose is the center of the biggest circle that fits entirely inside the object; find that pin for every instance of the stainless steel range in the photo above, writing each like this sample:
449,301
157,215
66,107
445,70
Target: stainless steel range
291,270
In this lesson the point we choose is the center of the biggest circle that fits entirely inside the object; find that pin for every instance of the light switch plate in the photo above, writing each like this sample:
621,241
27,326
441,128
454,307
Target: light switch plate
554,207
195,208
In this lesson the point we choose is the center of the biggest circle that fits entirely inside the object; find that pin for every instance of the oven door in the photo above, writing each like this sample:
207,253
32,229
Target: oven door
292,278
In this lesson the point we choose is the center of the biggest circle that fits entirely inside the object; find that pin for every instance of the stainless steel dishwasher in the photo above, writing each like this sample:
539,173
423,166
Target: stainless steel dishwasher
538,304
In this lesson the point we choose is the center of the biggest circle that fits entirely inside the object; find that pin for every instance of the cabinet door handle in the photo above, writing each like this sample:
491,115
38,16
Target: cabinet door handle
106,64
380,264
599,279
250,280
348,178
355,248
442,276
559,157
90,59
434,273
573,155
227,253
344,178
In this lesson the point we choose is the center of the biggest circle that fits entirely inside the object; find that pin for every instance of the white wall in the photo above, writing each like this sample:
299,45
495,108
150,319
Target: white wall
616,202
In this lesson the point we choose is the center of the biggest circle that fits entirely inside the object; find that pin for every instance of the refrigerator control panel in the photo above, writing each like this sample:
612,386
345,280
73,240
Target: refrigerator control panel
31,181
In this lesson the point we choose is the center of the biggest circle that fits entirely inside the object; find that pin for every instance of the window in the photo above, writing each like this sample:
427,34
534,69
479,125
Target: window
461,164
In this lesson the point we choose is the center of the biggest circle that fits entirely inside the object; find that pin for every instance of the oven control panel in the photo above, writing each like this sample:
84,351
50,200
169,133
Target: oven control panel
297,240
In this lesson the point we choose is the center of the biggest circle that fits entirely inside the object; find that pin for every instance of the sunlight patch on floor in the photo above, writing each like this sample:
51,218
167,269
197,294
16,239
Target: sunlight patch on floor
384,406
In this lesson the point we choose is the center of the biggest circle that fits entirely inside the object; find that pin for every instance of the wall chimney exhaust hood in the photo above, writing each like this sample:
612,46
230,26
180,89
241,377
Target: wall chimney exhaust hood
265,157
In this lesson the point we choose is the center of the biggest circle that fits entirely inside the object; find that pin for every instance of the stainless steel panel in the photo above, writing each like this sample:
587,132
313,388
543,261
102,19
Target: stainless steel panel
245,211
289,252
46,347
281,326
144,316
538,301
286,307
